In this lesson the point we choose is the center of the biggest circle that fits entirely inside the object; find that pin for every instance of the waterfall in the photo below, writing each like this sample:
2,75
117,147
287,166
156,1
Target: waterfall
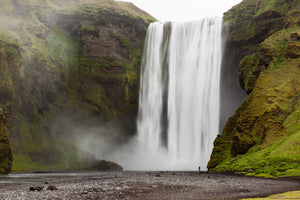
179,91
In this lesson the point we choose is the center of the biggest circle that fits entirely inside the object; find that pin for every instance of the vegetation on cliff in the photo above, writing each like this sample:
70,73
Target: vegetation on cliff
262,137
63,61
6,154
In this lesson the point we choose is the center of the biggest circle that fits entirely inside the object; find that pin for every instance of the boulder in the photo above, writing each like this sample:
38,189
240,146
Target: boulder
51,188
38,188
103,165
293,47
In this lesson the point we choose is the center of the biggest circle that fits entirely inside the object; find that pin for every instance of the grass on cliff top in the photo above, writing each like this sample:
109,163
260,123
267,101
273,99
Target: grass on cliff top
122,8
254,8
71,6
271,5
283,196
244,17
135,11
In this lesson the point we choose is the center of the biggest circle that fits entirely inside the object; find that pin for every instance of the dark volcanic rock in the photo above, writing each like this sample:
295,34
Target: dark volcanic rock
36,188
51,188
103,165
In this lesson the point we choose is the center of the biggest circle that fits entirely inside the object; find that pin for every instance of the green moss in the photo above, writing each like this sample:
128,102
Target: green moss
63,49
88,28
5,151
264,163
256,19
287,195
248,72
106,166
222,149
24,163
125,42
132,10
70,158
270,115
272,5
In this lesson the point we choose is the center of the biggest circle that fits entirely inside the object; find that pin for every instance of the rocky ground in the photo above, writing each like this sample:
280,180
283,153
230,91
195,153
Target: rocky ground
143,185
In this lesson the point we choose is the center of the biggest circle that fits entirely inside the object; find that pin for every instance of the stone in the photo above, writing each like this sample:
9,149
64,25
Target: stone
103,165
294,37
265,54
37,188
51,188
293,48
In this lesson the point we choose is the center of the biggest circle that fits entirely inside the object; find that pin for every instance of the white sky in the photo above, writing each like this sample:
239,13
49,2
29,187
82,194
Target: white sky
183,10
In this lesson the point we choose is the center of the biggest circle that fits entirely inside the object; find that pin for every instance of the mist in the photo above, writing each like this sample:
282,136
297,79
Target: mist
231,93
108,141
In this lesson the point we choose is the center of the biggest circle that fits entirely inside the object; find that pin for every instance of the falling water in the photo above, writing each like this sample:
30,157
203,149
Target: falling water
179,91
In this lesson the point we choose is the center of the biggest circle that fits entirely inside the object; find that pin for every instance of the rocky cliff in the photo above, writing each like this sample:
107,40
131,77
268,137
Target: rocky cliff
67,62
262,137
6,154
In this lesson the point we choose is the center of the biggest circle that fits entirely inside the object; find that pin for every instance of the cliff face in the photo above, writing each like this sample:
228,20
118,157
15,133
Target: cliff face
262,137
246,25
66,61
6,154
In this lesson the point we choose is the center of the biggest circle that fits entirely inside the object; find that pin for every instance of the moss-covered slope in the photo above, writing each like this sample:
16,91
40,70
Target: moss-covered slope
71,59
262,137
6,154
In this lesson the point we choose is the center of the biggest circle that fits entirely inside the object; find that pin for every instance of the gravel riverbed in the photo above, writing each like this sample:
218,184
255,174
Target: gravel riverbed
142,186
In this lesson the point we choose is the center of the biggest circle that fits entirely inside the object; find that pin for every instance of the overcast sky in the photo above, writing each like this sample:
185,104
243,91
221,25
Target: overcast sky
183,10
